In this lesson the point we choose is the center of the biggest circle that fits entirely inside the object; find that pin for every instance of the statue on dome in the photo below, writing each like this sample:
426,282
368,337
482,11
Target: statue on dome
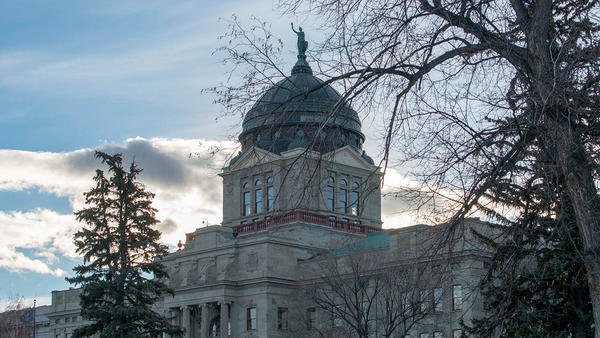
302,43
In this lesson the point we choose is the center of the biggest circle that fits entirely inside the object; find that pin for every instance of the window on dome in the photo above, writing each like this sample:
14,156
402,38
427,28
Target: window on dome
354,203
246,198
342,206
330,198
270,198
354,200
258,201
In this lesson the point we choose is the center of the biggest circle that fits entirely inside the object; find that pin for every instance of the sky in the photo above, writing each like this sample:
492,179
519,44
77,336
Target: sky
118,76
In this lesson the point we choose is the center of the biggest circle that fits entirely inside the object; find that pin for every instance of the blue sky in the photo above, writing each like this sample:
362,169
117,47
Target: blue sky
120,76
119,66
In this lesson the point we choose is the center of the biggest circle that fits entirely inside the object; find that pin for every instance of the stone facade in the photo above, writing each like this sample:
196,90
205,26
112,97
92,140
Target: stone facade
227,276
289,204
64,316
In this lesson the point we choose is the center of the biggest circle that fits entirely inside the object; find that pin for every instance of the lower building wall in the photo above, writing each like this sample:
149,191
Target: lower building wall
252,279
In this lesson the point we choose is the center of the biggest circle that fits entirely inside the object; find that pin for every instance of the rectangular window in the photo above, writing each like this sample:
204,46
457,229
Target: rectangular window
424,300
67,319
405,301
456,333
354,205
311,318
438,334
270,198
457,297
246,197
424,335
342,205
437,299
258,201
251,318
282,318
330,198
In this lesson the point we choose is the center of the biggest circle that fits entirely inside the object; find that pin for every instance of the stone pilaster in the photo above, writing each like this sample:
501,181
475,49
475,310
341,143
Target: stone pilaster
186,322
225,308
205,317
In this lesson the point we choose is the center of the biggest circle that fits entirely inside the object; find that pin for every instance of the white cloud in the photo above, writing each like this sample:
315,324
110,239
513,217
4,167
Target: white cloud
182,173
46,232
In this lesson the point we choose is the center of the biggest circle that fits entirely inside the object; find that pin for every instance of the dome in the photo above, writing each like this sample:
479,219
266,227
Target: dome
301,111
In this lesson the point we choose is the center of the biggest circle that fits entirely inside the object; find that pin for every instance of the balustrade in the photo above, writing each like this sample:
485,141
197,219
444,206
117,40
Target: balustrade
304,216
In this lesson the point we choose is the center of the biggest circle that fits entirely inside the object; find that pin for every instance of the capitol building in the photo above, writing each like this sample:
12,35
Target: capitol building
302,207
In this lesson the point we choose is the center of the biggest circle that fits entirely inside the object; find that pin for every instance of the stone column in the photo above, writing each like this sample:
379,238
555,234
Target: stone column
204,324
185,321
224,319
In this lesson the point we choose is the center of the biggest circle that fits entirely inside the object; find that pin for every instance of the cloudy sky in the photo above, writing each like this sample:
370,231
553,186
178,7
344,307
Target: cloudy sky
120,76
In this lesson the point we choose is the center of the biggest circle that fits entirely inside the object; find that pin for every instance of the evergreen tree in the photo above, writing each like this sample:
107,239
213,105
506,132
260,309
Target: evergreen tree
537,285
121,276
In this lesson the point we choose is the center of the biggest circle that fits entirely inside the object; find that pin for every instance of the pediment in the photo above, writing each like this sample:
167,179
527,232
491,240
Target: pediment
253,157
349,156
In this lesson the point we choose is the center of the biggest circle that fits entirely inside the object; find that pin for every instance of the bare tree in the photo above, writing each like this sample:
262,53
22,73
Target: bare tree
470,90
361,295
17,320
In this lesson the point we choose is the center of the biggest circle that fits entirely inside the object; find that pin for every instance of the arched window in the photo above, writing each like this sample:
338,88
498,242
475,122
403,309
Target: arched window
343,198
258,201
258,197
246,185
342,206
354,203
354,200
270,179
330,196
270,198
246,201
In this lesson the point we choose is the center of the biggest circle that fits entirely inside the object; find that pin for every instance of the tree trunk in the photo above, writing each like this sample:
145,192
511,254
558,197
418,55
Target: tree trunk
575,166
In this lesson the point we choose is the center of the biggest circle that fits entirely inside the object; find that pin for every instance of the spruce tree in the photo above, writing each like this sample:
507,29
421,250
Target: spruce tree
121,275
537,284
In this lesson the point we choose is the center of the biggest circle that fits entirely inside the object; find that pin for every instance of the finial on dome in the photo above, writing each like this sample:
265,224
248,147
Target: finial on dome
301,65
